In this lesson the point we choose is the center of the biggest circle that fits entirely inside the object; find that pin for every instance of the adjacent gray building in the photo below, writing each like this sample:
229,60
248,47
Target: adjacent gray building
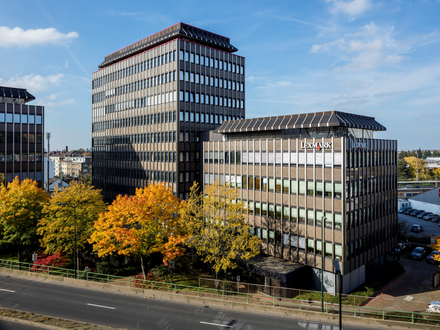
21,136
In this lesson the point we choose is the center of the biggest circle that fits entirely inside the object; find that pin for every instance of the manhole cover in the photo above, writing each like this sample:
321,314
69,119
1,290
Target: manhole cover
409,298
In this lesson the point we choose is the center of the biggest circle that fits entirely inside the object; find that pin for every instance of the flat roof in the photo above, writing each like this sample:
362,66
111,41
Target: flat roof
305,120
179,30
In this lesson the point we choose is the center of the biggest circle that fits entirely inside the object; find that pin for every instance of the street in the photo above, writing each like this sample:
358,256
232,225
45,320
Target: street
132,312
429,227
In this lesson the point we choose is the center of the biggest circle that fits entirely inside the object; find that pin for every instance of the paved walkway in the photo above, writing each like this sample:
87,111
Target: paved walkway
411,291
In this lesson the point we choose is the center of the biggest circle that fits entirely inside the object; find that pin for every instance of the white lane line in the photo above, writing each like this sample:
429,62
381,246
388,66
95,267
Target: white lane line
100,306
219,325
7,290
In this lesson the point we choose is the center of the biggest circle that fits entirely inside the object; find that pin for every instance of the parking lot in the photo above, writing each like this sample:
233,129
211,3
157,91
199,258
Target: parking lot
429,227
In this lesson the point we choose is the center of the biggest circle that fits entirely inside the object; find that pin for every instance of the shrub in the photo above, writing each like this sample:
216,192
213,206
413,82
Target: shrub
103,267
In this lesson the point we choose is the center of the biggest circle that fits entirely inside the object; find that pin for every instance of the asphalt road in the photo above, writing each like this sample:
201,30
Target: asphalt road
131,312
429,227
8,325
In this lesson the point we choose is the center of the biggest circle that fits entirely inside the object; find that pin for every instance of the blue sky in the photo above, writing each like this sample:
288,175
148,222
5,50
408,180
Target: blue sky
377,58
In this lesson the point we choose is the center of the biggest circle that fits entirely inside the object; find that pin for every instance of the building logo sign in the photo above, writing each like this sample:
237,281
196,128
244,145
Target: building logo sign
358,145
317,145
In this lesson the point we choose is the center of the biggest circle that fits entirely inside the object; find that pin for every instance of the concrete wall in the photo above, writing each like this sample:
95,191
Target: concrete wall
428,207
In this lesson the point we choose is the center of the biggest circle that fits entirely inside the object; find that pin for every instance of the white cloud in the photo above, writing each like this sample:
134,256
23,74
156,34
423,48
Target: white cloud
24,38
328,46
351,8
33,83
57,104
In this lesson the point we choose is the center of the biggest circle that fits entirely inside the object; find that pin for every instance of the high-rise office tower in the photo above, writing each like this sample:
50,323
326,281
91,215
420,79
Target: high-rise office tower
21,136
151,100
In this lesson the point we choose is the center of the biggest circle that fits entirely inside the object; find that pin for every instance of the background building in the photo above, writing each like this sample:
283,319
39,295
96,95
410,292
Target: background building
76,166
21,136
296,171
151,100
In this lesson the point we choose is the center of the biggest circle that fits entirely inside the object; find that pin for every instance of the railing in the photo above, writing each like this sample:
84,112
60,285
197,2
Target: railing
276,297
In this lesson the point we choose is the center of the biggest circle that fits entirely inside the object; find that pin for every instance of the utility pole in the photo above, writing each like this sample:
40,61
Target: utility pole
48,161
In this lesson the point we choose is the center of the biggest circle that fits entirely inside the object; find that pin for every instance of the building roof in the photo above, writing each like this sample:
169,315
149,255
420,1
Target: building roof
305,120
179,30
432,197
16,93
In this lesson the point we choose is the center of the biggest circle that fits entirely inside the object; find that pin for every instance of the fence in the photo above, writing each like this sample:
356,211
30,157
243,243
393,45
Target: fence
276,297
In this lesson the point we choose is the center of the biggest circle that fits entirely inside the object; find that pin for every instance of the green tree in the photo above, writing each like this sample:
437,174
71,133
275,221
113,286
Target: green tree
57,227
142,224
217,228
21,205
402,169
87,179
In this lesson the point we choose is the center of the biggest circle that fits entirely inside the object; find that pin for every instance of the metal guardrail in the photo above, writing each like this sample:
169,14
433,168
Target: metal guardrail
350,307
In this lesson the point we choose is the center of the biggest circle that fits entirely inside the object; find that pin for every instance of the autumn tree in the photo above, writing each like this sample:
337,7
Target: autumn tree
402,169
21,205
217,228
417,165
78,203
142,224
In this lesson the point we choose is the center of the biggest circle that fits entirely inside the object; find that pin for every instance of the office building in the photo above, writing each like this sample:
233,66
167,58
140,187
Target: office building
21,136
293,172
151,100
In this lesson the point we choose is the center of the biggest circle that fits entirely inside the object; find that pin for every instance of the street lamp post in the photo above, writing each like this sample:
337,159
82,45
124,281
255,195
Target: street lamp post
322,262
74,235
48,151
338,271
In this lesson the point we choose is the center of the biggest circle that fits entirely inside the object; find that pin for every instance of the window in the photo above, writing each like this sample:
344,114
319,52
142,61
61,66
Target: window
338,221
278,185
310,217
338,190
302,187
278,212
271,184
286,211
310,188
271,211
328,189
286,185
310,246
293,187
302,215
328,220
264,209
293,214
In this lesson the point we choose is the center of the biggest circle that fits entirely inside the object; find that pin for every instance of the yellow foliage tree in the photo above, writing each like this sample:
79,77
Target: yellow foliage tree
57,226
142,224
421,164
217,228
21,205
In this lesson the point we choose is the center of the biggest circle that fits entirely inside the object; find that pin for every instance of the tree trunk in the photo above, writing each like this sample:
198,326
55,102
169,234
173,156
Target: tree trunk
145,267
19,254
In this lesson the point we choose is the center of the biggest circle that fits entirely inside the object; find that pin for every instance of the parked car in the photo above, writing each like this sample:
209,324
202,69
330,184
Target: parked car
433,307
416,212
416,228
436,218
418,253
403,209
399,249
421,215
430,259
429,216
407,212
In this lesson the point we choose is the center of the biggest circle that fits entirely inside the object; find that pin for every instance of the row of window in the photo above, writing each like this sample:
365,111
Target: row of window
24,175
211,100
148,64
211,62
360,158
314,246
139,156
18,137
293,214
211,81
278,158
20,157
286,186
196,117
161,137
150,119
162,176
20,118
141,84
301,243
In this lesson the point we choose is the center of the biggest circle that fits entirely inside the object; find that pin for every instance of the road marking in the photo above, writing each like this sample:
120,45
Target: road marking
219,325
100,306
7,290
